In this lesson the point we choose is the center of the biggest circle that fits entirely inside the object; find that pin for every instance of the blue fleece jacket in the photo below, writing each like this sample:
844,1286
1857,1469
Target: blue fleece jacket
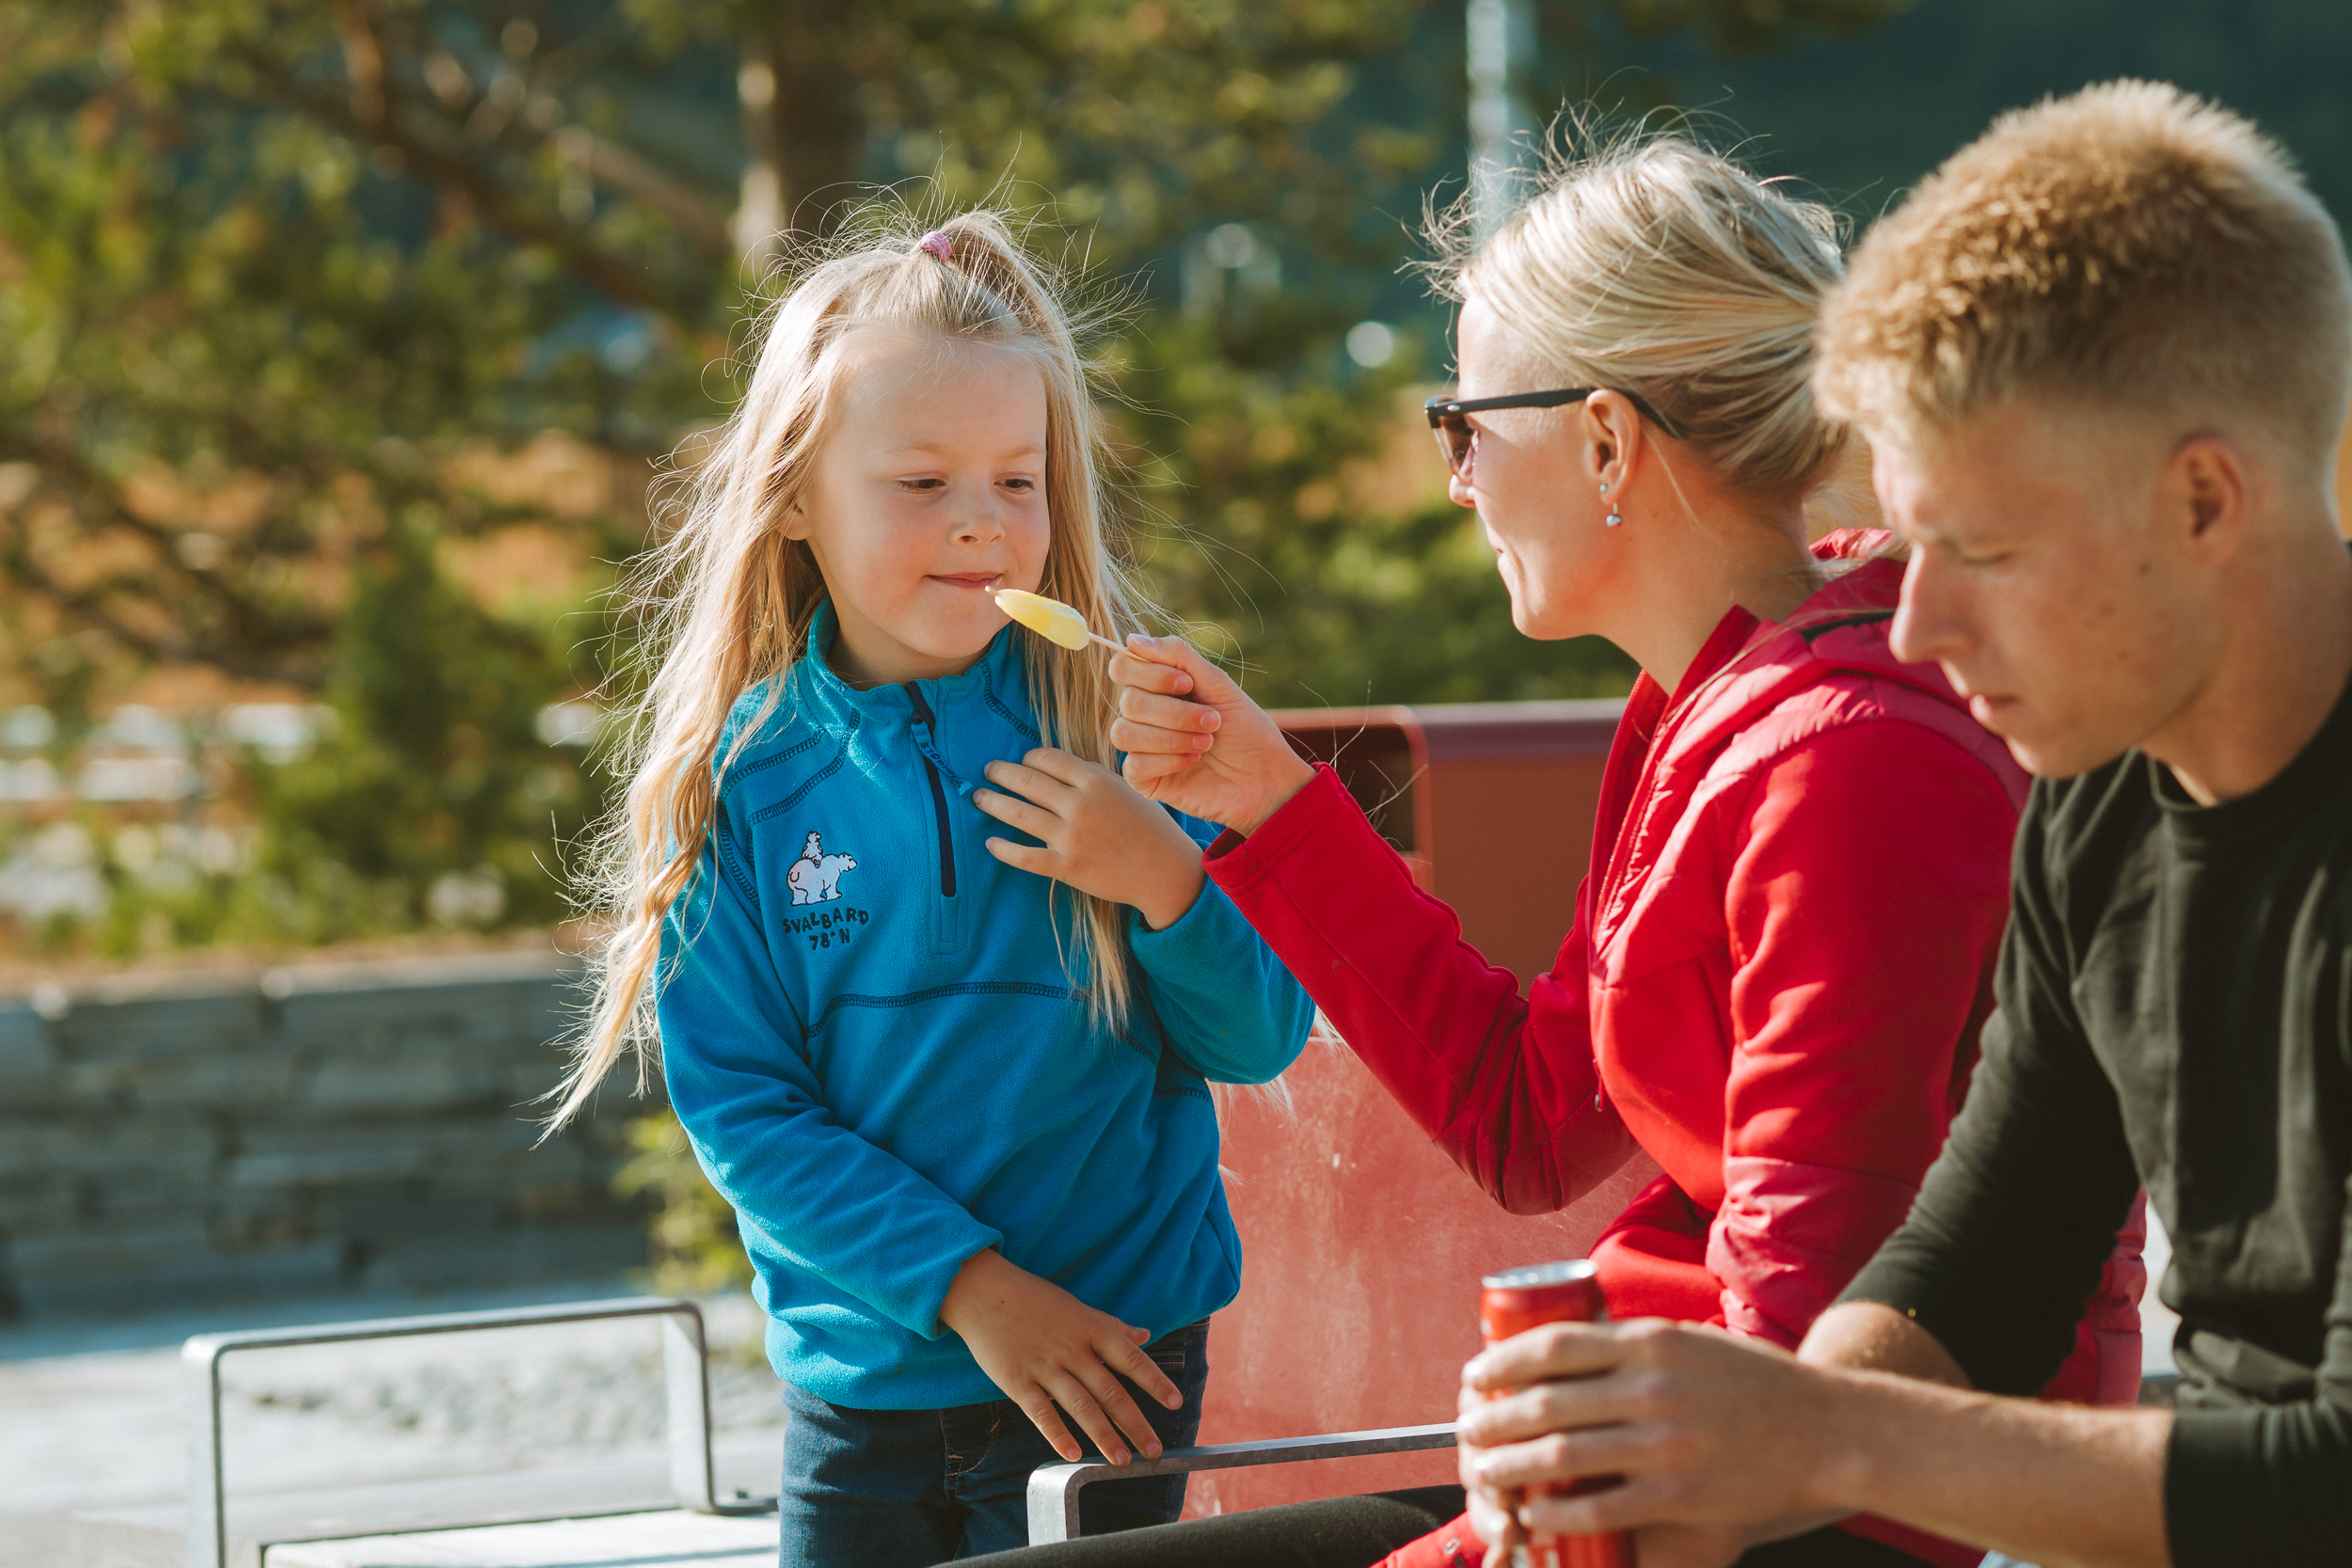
870,1037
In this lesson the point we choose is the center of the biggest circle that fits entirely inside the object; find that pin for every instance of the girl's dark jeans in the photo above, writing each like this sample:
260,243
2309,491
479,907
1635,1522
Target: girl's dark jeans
908,1488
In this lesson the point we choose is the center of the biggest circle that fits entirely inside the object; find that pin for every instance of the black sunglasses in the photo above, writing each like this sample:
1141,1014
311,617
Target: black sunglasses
1456,439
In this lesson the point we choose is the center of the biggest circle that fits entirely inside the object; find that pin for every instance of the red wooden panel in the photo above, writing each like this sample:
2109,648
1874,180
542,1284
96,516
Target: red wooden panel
1358,1305
1509,841
1491,804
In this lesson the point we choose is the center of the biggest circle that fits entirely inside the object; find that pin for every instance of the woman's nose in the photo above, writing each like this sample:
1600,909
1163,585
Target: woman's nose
1458,491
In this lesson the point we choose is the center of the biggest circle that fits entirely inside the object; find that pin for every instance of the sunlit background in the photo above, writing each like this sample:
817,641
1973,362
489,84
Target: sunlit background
341,345
345,345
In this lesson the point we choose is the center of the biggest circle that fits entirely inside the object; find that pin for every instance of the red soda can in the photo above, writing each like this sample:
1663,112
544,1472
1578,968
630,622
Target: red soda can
1510,1304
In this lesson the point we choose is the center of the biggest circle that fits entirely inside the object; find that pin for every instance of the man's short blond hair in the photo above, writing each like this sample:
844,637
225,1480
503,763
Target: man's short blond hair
2130,246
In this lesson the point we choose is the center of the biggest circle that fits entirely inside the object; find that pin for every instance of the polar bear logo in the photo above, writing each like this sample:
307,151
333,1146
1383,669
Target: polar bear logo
816,876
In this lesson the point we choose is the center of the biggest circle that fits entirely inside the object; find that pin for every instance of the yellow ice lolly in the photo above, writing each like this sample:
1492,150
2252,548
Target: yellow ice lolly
1049,618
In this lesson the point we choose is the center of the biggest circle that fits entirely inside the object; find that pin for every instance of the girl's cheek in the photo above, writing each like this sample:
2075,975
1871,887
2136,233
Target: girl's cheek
1034,540
899,546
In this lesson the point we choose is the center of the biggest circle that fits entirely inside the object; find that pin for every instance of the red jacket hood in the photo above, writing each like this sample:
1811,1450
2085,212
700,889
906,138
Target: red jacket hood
1750,666
1758,689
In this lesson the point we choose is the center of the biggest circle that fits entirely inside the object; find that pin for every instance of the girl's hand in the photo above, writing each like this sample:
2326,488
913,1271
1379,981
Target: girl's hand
1100,836
1194,739
1045,1347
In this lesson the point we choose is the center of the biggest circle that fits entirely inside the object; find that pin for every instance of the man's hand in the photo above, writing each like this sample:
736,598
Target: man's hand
1724,1440
1696,1420
1494,1517
1045,1347
1195,740
1100,836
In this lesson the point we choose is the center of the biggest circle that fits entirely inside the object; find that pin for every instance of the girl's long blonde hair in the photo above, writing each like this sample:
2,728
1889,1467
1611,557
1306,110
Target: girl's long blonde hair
726,599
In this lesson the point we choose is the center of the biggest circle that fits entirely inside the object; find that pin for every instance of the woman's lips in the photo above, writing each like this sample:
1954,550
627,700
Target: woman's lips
967,579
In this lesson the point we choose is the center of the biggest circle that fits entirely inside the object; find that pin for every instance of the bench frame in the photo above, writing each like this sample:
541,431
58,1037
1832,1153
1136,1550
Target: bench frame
686,1368
1053,1488
1053,1493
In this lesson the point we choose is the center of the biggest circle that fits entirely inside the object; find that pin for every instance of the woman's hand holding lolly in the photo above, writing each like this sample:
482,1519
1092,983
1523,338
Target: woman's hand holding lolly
1195,740
1173,753
1045,1347
1100,836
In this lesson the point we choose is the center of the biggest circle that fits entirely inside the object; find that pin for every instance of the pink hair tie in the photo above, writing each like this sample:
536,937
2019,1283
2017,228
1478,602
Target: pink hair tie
938,244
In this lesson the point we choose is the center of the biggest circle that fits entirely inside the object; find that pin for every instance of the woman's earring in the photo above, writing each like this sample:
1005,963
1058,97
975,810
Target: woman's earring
1614,520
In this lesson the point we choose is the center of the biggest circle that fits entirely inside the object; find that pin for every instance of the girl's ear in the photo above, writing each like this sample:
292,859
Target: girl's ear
794,524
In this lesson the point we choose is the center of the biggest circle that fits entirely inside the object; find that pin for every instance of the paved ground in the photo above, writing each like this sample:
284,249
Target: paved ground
653,1540
91,1416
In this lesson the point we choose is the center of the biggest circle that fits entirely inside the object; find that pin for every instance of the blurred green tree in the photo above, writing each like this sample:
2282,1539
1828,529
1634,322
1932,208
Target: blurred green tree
301,251
281,281
241,374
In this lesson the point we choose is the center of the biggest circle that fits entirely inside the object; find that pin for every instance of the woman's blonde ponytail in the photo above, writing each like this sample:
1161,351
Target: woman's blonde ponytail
1655,266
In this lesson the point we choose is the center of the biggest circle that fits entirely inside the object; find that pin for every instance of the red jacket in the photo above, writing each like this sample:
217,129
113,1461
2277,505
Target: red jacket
1782,957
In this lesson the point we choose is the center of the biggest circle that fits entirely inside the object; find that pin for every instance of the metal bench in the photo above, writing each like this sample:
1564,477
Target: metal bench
686,1368
1053,1494
1053,1488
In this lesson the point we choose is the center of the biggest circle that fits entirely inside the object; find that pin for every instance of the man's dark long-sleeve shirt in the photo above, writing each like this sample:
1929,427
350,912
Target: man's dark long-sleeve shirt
2175,996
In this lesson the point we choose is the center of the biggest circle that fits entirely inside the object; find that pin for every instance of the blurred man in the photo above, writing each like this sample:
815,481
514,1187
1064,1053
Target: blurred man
2103,357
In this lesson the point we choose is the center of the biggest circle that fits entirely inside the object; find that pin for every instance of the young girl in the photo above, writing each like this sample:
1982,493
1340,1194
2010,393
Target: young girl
962,1117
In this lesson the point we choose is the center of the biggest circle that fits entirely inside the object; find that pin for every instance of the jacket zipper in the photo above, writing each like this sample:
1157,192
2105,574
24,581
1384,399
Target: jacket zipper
1670,723
939,796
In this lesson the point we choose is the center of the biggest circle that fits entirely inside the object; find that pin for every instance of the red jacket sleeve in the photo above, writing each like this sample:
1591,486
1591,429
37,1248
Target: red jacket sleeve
1506,1086
1867,887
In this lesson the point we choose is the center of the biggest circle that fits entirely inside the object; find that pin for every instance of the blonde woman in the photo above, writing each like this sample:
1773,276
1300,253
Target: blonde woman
1783,951
961,1118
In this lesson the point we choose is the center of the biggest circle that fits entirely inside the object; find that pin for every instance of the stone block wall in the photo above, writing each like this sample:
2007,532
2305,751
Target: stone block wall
166,1140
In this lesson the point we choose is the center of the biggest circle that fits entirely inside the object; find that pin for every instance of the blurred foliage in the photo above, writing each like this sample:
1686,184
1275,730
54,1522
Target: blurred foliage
696,1250
1740,28
242,371
435,764
1902,96
283,283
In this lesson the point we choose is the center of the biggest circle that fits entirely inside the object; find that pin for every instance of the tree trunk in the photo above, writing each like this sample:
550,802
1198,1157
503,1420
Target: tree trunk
803,127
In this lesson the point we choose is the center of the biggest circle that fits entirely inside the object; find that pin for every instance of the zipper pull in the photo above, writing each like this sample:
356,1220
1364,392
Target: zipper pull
923,734
931,755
